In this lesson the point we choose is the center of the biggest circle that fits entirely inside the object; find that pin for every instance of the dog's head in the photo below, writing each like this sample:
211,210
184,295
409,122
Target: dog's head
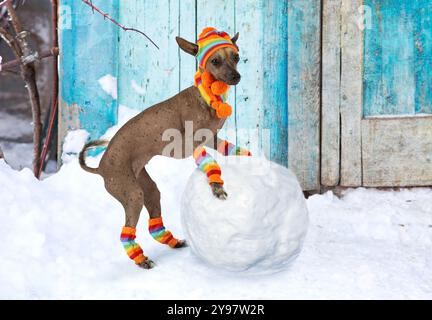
219,56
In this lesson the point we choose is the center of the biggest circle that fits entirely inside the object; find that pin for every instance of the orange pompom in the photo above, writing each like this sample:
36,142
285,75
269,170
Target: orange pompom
207,79
224,110
219,88
206,30
215,104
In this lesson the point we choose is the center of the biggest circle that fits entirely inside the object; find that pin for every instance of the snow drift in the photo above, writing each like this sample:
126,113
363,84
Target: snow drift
59,239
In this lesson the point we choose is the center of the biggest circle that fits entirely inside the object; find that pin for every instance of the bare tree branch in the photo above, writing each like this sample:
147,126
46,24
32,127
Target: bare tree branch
5,2
29,76
106,16
10,41
17,62
54,99
12,95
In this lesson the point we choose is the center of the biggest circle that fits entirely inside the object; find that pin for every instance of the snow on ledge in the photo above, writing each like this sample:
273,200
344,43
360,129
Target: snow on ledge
109,85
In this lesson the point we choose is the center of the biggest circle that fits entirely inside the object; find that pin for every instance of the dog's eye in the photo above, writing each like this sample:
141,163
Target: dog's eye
215,62
236,58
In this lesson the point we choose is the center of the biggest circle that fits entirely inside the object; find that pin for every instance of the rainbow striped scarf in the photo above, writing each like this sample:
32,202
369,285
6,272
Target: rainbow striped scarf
207,95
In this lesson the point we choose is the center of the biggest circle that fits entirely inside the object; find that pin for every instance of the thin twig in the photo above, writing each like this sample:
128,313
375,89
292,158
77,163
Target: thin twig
53,117
10,73
10,41
12,96
17,62
5,2
106,16
14,18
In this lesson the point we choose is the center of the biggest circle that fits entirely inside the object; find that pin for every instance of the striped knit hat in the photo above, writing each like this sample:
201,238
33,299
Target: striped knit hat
209,41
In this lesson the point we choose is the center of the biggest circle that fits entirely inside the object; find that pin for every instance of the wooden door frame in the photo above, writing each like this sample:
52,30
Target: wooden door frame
341,94
354,150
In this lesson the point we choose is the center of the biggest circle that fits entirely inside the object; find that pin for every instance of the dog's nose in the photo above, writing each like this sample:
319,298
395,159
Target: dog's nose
235,77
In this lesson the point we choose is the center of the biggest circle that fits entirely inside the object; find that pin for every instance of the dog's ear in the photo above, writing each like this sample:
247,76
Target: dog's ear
187,46
234,40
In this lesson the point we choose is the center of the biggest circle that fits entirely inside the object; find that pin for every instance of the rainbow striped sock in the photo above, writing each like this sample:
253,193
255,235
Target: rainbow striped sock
158,232
208,165
228,149
132,248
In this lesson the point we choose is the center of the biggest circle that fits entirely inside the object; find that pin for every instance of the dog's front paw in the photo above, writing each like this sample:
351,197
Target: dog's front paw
181,244
218,191
146,264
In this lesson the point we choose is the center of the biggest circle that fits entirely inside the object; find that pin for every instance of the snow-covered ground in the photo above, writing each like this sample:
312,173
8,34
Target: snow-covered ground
60,239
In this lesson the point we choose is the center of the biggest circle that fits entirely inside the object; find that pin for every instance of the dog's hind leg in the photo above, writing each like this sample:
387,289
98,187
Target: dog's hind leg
125,188
152,203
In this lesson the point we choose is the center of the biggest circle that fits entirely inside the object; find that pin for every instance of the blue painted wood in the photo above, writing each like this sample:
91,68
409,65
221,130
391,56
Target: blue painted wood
372,80
147,75
275,77
249,92
397,58
304,91
88,52
423,56
187,30
221,15
278,42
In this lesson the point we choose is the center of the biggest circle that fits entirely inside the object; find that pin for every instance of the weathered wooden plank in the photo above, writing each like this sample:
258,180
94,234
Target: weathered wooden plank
303,82
330,121
88,51
249,92
398,58
389,62
423,56
372,75
397,151
132,74
351,93
221,15
147,75
187,30
275,78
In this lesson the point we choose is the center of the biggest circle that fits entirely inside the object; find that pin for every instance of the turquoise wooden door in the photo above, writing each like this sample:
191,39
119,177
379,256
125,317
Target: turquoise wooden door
277,103
385,97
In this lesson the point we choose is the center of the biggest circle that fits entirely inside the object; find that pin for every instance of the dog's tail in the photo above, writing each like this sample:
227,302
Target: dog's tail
82,155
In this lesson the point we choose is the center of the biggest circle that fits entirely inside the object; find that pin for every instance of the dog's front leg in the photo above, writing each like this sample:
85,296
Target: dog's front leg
211,168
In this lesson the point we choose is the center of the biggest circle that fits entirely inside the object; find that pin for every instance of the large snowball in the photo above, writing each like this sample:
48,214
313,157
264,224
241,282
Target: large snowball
259,228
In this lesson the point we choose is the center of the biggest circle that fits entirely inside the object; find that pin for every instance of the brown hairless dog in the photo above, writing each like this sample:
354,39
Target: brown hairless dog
141,138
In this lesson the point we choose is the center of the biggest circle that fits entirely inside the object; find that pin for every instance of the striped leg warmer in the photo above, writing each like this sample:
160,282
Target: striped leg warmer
228,149
208,165
158,232
132,248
